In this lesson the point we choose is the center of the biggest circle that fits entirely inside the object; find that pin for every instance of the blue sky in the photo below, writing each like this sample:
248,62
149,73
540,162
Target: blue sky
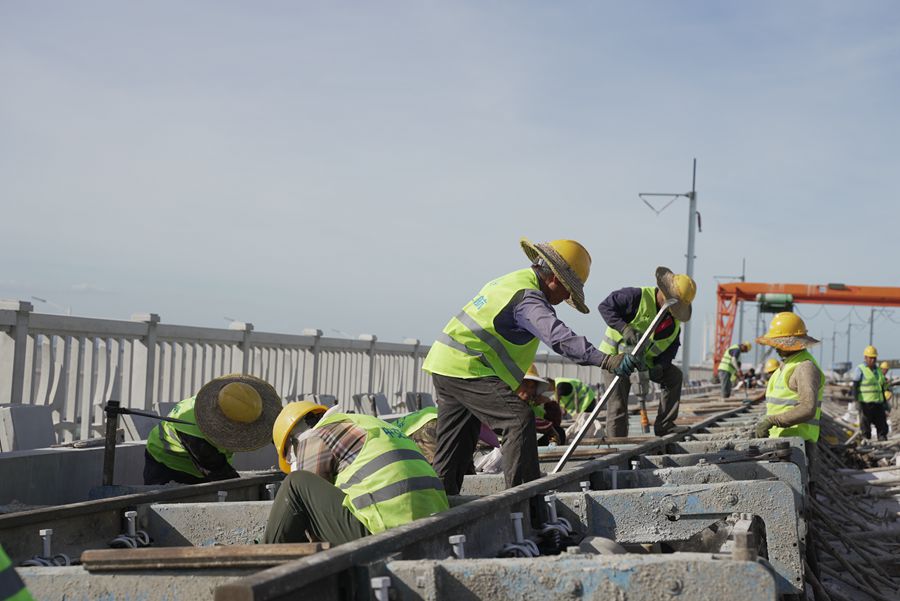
366,167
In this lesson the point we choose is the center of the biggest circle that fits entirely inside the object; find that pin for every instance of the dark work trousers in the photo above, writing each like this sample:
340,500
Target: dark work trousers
462,406
157,473
872,414
666,413
307,504
726,384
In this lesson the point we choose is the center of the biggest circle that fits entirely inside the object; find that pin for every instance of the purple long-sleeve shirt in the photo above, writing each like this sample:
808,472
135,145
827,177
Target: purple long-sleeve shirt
620,307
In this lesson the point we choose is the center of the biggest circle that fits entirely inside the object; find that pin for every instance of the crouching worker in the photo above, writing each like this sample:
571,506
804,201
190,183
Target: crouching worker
349,476
421,427
229,414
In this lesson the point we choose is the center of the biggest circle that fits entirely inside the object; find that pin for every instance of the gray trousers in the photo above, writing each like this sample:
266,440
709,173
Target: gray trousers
726,384
462,406
666,414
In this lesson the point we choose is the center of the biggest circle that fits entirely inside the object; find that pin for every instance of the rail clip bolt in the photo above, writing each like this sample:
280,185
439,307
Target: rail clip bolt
130,523
223,494
675,587
614,476
271,488
731,499
585,485
517,517
46,537
381,586
457,543
635,464
550,500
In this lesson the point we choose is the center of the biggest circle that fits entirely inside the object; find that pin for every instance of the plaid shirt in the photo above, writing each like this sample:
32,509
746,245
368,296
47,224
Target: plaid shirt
328,449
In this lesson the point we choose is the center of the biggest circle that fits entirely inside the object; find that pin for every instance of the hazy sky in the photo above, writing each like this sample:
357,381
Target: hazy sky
365,167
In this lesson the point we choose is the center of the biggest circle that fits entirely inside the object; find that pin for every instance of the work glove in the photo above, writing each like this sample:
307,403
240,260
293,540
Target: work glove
762,427
621,364
630,336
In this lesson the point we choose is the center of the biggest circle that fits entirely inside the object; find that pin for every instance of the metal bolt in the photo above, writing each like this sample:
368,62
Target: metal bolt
635,464
585,485
270,489
550,500
46,536
675,587
457,543
573,550
614,476
223,494
669,507
731,499
130,523
381,586
701,461
517,517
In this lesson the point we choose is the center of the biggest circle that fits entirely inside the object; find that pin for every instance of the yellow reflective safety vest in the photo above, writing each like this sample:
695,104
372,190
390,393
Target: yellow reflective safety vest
11,586
780,398
726,363
164,446
612,338
390,483
579,399
411,423
470,346
871,388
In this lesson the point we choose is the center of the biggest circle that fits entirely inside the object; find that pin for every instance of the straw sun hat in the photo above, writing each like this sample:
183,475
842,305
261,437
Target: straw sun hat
236,412
678,286
569,260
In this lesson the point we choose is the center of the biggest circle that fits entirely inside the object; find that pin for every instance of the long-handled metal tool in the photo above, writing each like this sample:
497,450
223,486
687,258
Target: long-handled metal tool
638,350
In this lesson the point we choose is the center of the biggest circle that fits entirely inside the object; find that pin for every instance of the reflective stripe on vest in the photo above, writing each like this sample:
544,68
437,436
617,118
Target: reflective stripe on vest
726,363
871,387
11,586
780,398
390,483
647,310
164,446
413,422
471,347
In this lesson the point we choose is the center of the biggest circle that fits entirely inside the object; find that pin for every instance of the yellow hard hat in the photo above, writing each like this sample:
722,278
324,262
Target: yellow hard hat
870,351
284,424
240,402
575,256
888,395
569,261
771,366
787,332
746,346
680,287
885,366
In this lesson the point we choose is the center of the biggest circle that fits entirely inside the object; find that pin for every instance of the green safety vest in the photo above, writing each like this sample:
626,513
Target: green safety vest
539,411
871,388
647,310
164,446
390,483
780,398
579,399
411,423
470,346
726,363
11,586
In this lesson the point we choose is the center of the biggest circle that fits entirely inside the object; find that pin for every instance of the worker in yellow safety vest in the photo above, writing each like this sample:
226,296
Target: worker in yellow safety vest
481,357
229,414
573,395
421,427
794,392
11,586
730,366
547,411
349,476
869,387
770,367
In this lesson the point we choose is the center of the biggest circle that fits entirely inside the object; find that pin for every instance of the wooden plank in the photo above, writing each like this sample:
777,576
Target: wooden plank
197,558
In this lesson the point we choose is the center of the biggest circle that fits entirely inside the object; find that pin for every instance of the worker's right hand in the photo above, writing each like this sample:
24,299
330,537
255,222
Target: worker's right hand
622,364
630,336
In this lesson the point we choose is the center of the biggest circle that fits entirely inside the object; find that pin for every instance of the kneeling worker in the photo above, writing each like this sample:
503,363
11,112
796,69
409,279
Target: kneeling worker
628,313
794,392
349,476
421,427
231,413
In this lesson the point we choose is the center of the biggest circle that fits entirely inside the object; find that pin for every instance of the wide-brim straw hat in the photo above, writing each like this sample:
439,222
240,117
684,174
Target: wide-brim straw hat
542,385
665,281
232,435
788,343
563,271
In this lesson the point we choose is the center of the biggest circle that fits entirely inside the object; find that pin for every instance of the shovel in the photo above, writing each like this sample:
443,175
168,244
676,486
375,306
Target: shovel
638,350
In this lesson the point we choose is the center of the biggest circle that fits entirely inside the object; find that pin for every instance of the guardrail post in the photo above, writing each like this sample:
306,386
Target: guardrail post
416,343
246,351
373,339
19,337
317,334
143,383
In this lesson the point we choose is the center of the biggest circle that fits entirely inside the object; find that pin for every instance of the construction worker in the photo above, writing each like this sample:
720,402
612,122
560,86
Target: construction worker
11,586
869,385
349,476
547,412
730,366
481,357
769,368
229,414
573,395
421,427
628,312
794,392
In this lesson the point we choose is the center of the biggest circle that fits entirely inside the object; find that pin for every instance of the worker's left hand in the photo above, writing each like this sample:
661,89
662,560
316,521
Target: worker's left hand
762,427
622,364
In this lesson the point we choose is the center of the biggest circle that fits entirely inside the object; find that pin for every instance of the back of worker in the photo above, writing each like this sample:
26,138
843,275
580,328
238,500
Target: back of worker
421,427
350,476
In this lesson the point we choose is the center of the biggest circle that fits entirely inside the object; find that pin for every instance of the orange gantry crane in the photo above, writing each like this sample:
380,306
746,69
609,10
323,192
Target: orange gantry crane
729,295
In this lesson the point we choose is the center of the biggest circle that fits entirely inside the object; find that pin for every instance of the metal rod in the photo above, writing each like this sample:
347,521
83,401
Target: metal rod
686,327
638,349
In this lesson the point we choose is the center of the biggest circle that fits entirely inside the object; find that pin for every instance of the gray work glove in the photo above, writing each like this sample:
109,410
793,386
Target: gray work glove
762,427
622,364
630,336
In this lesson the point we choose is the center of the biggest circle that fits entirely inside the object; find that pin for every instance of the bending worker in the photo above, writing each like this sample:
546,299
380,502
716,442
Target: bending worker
229,414
794,392
869,385
769,368
349,475
628,313
481,357
421,427
730,366
573,395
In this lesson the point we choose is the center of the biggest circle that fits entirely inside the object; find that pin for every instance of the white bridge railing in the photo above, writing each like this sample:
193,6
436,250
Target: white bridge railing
75,364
